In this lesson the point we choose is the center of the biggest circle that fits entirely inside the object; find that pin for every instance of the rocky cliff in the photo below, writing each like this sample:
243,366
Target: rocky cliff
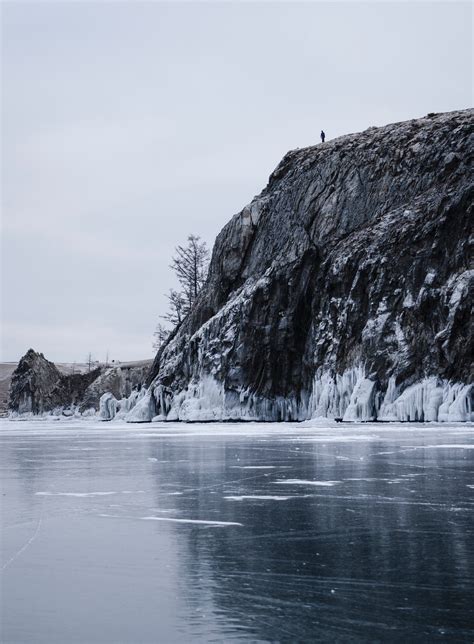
343,289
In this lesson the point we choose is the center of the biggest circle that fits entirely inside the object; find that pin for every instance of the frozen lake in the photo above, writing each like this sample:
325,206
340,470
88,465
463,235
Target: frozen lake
257,532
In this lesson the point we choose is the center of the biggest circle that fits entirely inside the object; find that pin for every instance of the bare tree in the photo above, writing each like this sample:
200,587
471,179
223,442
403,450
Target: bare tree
190,264
160,336
178,308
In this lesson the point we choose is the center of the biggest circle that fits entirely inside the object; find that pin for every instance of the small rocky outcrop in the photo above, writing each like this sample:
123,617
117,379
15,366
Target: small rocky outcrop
37,386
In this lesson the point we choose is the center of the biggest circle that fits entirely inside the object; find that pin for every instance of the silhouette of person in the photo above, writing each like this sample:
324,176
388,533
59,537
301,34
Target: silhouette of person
323,136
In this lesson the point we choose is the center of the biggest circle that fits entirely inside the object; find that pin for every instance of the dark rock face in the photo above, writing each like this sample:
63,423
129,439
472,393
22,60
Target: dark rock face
352,264
37,386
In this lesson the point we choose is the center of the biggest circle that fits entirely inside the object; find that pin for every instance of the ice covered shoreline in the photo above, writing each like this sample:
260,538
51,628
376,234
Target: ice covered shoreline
350,397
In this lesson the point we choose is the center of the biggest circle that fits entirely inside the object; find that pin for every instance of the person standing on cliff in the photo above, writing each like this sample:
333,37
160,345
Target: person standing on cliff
323,136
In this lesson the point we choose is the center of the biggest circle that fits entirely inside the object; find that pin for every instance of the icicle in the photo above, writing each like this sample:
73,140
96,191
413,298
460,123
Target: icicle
361,406
108,406
388,410
460,409
144,410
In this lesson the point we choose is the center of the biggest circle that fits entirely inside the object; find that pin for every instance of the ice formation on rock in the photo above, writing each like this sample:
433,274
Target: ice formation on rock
361,406
457,404
108,406
144,409
351,396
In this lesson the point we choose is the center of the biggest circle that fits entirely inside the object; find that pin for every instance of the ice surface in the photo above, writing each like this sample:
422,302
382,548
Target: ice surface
189,515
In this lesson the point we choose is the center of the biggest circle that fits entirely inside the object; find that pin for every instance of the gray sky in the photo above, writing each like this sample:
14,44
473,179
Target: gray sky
128,125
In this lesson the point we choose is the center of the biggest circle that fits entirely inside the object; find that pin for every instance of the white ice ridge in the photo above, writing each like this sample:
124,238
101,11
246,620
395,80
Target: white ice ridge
87,494
77,494
194,521
301,482
255,467
259,497
351,396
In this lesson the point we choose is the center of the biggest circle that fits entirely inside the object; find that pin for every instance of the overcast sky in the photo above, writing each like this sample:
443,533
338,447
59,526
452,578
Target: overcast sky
127,126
